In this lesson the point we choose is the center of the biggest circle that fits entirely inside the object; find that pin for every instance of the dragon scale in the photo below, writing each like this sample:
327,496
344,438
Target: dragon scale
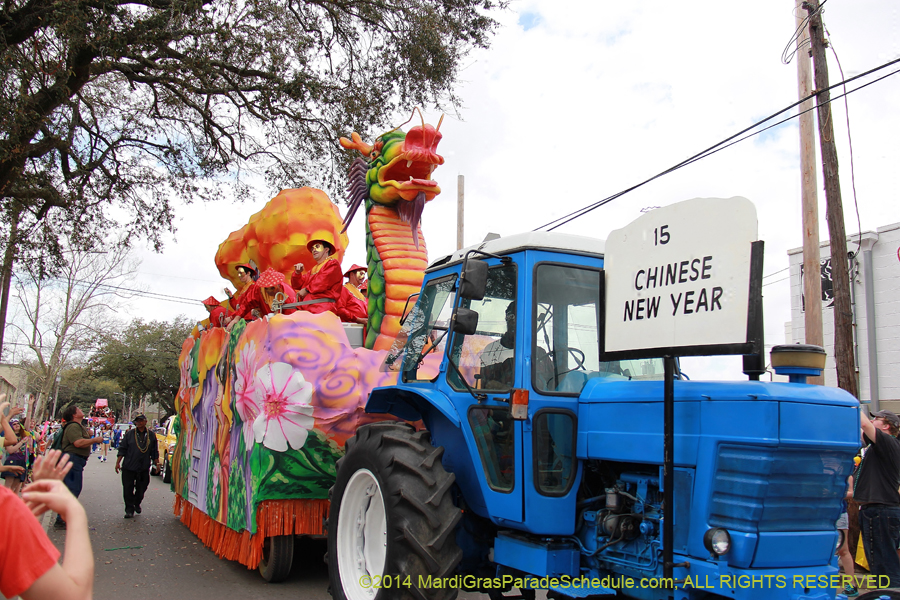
398,264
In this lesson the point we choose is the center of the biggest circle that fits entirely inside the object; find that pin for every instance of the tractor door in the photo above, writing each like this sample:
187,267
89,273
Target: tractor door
564,351
487,369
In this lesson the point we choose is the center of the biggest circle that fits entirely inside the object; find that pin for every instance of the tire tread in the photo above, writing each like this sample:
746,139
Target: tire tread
417,498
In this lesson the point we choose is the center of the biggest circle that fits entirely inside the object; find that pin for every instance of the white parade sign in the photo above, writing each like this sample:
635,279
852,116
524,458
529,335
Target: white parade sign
679,276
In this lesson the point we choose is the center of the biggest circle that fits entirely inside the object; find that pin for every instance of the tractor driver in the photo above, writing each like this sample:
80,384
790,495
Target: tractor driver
498,360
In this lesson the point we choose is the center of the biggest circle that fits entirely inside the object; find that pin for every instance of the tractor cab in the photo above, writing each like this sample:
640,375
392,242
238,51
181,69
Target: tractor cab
507,352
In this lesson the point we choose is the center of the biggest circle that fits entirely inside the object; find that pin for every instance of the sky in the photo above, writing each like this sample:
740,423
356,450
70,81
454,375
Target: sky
577,100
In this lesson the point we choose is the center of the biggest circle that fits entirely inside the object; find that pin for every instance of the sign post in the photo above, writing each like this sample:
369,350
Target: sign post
683,280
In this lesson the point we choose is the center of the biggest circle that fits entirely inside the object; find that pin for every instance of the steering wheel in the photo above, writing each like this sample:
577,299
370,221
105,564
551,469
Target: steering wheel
579,358
578,355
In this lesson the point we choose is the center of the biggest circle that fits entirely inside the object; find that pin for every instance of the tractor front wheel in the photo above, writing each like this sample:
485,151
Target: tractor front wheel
392,522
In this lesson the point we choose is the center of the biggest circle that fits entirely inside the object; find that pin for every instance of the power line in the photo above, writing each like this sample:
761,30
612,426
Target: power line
218,282
791,49
849,140
556,223
96,352
776,281
152,295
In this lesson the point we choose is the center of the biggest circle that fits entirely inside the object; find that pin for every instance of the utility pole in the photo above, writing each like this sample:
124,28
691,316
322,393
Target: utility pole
812,278
460,209
843,317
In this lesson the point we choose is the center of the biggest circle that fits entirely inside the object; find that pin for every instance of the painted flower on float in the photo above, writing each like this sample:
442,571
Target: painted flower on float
246,390
285,417
186,363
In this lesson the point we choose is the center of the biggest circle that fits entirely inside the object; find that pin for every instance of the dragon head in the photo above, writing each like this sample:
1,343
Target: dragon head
396,172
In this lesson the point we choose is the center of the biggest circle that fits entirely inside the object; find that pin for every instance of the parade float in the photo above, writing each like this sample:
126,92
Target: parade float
265,407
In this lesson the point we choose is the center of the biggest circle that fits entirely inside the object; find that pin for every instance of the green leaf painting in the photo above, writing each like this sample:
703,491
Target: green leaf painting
306,473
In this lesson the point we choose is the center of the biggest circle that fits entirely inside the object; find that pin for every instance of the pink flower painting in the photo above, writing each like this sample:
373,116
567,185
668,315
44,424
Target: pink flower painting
285,417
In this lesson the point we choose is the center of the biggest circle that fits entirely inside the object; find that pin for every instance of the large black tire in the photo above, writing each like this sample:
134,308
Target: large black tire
278,554
392,518
166,471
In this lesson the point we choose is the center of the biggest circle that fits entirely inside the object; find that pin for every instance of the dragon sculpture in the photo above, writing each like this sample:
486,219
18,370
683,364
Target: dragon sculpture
393,180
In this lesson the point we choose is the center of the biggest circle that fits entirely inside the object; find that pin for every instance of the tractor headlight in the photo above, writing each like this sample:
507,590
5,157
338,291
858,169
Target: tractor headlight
717,541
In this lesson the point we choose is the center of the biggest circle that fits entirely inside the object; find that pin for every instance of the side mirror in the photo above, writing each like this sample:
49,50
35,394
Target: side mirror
473,281
465,321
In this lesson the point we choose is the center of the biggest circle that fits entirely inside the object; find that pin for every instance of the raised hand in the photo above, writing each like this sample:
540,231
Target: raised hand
16,410
54,465
49,494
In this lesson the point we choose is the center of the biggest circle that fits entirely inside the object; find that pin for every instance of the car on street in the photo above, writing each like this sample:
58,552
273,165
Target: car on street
165,436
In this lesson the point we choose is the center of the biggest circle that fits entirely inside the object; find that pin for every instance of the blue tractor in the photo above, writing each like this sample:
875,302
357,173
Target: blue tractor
532,464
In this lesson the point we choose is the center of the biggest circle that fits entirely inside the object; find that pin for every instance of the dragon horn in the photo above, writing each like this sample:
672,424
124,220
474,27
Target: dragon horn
357,144
421,117
441,120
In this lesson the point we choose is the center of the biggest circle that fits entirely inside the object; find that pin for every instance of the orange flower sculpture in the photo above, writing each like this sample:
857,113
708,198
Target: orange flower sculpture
276,236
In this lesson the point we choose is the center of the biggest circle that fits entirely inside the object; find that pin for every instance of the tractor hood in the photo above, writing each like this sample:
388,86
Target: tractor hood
623,420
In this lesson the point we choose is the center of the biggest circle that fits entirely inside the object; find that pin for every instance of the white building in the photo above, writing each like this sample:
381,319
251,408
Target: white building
875,273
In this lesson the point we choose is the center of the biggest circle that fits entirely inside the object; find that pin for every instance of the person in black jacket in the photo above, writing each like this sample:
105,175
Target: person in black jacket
139,448
877,480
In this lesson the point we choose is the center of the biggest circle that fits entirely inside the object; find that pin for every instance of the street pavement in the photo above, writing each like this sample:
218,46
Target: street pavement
155,556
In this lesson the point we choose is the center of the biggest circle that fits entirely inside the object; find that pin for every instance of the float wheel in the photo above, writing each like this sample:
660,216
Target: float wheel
278,554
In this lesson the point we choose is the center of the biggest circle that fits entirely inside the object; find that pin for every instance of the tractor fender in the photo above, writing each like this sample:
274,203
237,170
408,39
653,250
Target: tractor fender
411,405
442,421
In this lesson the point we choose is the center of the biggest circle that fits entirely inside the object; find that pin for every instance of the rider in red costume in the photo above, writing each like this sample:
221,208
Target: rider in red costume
321,285
271,283
217,312
352,306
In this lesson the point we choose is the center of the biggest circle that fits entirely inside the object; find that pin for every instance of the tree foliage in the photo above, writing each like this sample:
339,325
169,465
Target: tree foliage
135,103
78,385
143,359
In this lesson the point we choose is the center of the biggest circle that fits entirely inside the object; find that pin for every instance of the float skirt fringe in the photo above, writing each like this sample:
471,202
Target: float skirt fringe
273,517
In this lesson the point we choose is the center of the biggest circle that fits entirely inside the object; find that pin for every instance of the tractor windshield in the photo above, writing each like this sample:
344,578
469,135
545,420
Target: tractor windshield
420,345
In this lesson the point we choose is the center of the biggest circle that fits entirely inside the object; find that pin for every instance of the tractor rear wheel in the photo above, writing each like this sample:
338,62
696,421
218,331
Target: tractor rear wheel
392,522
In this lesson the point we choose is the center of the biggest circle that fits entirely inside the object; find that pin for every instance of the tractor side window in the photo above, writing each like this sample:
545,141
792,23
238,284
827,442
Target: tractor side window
419,348
554,452
566,356
566,327
487,359
494,432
